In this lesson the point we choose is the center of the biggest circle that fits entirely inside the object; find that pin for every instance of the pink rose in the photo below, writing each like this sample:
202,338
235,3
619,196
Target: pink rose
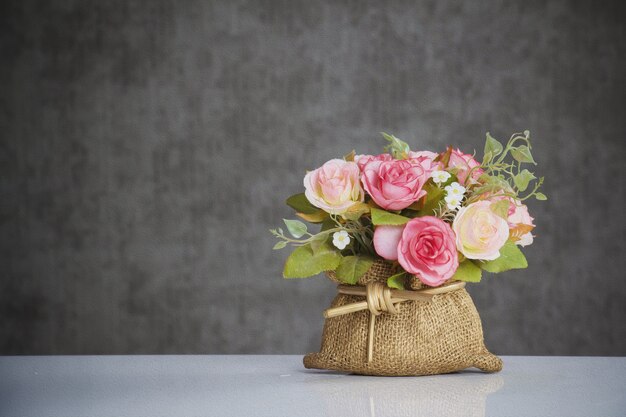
464,163
395,184
520,223
519,220
518,214
386,239
363,160
427,250
480,233
426,159
422,154
334,187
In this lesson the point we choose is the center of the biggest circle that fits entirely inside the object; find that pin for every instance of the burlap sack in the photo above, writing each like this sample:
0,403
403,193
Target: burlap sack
423,338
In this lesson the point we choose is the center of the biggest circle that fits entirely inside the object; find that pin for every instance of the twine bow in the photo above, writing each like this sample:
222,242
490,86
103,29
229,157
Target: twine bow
381,299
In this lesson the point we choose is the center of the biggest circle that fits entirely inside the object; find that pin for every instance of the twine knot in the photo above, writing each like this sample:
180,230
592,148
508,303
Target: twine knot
378,297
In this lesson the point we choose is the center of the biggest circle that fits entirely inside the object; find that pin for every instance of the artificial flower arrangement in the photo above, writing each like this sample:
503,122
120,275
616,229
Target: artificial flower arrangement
411,227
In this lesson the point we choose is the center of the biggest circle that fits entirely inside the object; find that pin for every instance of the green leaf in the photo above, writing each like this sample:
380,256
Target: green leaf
317,217
492,145
492,183
397,281
303,262
301,204
295,227
356,211
352,268
318,241
501,208
398,148
468,272
510,258
328,224
522,179
350,156
541,196
382,217
434,195
280,245
522,154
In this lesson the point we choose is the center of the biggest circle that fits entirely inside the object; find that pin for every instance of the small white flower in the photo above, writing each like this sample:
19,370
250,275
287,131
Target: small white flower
341,239
453,202
455,189
439,177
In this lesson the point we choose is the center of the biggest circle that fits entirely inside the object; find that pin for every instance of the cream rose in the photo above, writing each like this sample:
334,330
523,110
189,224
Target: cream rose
335,186
480,233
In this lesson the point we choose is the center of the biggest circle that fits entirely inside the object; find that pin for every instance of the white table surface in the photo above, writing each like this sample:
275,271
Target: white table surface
278,386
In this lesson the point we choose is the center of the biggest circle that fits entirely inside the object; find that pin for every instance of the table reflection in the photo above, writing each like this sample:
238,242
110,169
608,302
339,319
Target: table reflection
460,394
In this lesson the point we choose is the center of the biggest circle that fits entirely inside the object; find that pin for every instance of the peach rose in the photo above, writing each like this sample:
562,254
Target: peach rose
334,187
396,184
480,233
427,250
464,163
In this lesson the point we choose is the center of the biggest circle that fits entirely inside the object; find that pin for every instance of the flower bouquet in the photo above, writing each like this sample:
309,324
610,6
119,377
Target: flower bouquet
401,233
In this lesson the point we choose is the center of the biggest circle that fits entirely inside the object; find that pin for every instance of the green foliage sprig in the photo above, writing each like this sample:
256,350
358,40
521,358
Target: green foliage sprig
505,171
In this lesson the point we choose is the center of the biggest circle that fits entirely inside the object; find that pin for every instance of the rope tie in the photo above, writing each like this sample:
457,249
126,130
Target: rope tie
381,299
378,298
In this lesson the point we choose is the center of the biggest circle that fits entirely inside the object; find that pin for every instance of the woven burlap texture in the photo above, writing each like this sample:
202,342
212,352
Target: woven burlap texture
424,338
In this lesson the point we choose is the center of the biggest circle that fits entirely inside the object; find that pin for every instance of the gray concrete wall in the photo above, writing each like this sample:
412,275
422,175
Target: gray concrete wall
148,146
